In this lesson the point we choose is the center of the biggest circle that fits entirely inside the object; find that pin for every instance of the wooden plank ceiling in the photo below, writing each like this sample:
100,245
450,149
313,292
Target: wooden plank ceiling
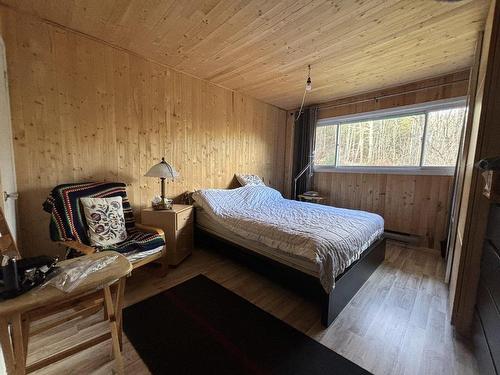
263,47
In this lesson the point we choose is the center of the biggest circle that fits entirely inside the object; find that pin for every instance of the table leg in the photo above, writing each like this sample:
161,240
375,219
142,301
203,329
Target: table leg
18,343
113,314
13,344
120,291
26,335
7,349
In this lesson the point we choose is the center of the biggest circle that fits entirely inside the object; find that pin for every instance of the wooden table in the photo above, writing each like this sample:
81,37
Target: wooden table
19,312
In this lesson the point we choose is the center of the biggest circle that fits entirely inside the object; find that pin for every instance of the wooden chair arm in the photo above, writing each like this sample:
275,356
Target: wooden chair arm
78,246
147,228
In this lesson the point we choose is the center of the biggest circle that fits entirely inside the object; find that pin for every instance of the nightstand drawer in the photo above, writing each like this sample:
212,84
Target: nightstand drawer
178,226
183,219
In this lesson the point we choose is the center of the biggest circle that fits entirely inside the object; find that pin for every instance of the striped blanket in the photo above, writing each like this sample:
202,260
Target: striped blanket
67,222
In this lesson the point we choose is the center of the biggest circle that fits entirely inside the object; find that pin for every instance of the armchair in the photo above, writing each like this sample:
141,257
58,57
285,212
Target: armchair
143,245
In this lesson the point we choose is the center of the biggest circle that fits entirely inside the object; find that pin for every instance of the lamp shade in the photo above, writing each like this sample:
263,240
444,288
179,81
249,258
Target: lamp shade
162,170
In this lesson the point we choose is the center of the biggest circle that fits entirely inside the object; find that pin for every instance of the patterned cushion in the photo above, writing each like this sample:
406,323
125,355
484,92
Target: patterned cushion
105,220
249,179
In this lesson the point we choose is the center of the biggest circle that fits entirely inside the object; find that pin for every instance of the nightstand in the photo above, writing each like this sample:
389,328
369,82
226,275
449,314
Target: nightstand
177,224
310,198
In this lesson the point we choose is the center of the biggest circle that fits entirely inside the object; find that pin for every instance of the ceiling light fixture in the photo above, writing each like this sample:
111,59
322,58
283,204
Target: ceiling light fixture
308,82
307,89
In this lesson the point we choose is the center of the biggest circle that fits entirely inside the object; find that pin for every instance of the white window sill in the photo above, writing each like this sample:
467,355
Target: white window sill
429,171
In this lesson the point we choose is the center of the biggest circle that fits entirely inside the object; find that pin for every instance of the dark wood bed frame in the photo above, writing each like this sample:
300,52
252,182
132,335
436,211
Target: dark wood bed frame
346,285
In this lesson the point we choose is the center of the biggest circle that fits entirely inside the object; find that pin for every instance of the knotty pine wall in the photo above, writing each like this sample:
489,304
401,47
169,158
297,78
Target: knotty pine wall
414,204
417,205
438,88
83,110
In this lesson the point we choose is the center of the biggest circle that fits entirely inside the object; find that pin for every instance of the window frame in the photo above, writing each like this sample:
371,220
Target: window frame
417,109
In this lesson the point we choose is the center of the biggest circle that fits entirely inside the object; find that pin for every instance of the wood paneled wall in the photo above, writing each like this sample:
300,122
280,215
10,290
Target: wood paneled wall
417,205
432,89
83,110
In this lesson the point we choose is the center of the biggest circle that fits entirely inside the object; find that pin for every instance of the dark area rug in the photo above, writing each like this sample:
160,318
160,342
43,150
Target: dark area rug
200,327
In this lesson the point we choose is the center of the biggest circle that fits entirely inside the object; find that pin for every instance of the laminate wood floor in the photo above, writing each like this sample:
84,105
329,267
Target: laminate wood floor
396,324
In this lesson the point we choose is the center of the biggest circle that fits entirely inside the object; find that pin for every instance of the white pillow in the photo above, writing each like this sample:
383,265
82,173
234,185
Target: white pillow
105,220
249,179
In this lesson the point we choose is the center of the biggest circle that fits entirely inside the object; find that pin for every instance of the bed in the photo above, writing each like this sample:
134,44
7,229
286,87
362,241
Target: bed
329,251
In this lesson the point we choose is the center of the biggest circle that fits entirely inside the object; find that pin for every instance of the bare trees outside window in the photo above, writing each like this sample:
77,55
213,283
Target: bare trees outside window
425,138
442,140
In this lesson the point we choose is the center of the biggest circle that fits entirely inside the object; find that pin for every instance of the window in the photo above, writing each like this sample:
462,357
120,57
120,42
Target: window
326,137
442,140
424,138
388,142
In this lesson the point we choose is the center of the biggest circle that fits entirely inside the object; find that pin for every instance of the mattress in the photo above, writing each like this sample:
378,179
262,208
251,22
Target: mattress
206,223
298,232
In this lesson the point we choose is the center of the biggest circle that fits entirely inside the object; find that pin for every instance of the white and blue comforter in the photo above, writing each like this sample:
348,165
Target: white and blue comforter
332,237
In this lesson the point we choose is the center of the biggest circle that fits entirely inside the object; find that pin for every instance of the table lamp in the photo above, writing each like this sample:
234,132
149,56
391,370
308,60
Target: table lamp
163,171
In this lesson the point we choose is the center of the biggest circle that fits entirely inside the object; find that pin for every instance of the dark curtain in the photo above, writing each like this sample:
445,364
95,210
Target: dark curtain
303,148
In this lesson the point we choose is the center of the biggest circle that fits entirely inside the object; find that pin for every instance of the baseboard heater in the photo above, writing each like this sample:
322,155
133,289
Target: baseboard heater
402,237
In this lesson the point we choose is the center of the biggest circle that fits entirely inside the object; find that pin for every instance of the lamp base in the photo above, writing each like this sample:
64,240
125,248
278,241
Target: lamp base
166,204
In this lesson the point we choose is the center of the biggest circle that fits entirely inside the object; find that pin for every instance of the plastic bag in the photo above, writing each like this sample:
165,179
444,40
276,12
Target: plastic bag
68,277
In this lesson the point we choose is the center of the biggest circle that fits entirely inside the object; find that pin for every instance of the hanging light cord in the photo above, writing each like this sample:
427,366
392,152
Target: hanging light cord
308,82
302,105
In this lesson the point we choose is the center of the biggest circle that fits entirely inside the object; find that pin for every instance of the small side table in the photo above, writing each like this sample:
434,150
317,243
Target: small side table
309,198
16,314
177,224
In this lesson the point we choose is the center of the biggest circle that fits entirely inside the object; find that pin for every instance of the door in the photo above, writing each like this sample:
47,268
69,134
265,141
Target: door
8,190
453,234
